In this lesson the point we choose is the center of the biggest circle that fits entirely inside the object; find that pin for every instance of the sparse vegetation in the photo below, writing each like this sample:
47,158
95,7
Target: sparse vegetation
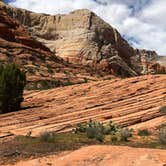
48,84
24,147
43,84
50,70
31,70
110,128
114,138
12,83
45,144
67,72
144,132
46,137
93,129
162,135
162,129
163,110
124,134
97,130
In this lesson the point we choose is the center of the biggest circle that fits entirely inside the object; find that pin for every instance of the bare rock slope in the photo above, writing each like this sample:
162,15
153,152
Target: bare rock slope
103,156
162,60
42,66
79,37
17,46
131,102
150,62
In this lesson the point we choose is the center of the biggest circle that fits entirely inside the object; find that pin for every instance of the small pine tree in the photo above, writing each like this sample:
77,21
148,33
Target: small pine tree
12,83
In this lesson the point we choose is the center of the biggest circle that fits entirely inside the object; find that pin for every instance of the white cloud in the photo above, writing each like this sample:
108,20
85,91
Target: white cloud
140,21
155,13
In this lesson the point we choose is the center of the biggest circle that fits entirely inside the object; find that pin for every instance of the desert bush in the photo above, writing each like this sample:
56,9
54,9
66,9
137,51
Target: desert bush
31,70
163,125
12,83
66,72
50,70
43,84
162,135
114,138
144,132
81,127
92,132
163,110
110,128
124,133
95,130
100,136
46,137
92,129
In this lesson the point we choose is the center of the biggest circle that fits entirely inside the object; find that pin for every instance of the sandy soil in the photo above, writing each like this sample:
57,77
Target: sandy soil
102,156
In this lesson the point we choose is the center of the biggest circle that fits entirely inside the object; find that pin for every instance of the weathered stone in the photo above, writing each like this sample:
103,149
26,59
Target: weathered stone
129,102
149,62
80,37
88,41
162,60
41,65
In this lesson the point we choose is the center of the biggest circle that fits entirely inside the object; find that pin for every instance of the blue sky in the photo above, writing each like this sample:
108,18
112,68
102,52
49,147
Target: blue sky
141,22
7,1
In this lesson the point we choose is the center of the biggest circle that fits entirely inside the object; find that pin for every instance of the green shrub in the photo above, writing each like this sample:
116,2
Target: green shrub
92,129
100,136
46,137
91,132
163,125
143,132
162,135
50,70
81,127
12,83
31,70
124,134
163,110
95,130
110,128
114,138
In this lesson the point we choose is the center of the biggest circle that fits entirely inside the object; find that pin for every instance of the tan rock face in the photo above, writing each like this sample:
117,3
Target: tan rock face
80,37
146,54
133,102
149,62
42,66
17,46
162,60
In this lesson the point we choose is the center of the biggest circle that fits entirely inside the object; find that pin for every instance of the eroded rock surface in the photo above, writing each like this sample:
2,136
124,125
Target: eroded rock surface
44,69
103,156
149,62
162,60
89,41
128,102
80,37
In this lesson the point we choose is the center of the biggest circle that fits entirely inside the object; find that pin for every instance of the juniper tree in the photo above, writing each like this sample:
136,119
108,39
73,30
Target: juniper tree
12,83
